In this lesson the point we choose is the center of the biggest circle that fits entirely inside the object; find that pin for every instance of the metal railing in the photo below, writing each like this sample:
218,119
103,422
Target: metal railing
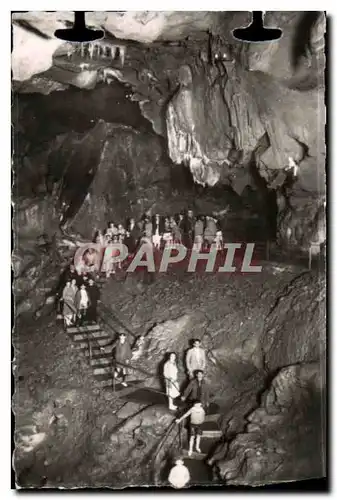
155,469
114,362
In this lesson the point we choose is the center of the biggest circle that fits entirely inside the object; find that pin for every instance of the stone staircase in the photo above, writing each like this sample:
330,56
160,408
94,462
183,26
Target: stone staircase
96,345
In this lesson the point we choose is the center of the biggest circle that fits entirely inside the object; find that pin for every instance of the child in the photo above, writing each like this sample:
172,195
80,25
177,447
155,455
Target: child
197,414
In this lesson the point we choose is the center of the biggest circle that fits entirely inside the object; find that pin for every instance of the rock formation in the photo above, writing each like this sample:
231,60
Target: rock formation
219,116
169,112
284,433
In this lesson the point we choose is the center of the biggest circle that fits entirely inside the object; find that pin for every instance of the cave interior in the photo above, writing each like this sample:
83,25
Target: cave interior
169,113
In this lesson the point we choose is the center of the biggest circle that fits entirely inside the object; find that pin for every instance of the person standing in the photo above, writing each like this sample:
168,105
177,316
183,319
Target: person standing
179,475
82,303
167,236
134,234
197,418
176,233
74,289
148,228
197,390
107,264
112,230
123,355
210,231
189,228
157,226
195,358
68,300
94,296
170,372
198,233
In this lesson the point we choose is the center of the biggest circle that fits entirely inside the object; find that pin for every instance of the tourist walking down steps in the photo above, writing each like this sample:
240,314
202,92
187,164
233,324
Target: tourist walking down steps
171,379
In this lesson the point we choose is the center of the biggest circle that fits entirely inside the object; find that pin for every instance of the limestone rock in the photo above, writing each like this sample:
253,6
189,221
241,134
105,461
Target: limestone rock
286,439
300,309
125,172
128,410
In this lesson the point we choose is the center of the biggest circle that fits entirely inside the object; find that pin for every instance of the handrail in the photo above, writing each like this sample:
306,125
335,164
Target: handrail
158,449
126,365
85,327
172,425
116,319
161,444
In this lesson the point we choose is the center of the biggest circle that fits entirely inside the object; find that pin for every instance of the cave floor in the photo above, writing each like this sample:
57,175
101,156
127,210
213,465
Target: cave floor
226,312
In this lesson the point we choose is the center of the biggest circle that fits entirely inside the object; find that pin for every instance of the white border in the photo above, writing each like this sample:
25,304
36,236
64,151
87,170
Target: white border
98,5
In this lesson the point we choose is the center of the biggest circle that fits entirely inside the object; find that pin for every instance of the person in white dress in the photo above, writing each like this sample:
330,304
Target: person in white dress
170,373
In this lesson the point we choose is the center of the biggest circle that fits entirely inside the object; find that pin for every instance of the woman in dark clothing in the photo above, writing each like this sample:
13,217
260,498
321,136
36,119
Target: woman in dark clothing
94,296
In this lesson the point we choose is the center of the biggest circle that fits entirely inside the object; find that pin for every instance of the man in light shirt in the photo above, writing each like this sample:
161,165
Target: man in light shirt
195,359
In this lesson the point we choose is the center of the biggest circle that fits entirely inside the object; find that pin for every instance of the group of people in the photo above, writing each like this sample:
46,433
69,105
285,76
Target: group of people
78,297
196,393
197,232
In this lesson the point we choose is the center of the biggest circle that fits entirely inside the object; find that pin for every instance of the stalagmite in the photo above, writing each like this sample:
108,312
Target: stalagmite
122,50
113,51
69,51
91,50
293,166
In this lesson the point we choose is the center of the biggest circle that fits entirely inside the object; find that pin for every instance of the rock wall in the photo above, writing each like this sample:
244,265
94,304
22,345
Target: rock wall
130,177
285,438
295,328
220,125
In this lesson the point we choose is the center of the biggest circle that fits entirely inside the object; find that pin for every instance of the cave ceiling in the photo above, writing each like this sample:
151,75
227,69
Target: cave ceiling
220,104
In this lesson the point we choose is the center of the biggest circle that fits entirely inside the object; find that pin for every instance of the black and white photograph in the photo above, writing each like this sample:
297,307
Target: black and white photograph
169,249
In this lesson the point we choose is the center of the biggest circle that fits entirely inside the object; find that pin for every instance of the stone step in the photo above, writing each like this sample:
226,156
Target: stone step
107,349
100,333
212,418
104,383
77,337
211,434
103,341
194,456
95,344
98,354
100,362
102,370
104,376
82,329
